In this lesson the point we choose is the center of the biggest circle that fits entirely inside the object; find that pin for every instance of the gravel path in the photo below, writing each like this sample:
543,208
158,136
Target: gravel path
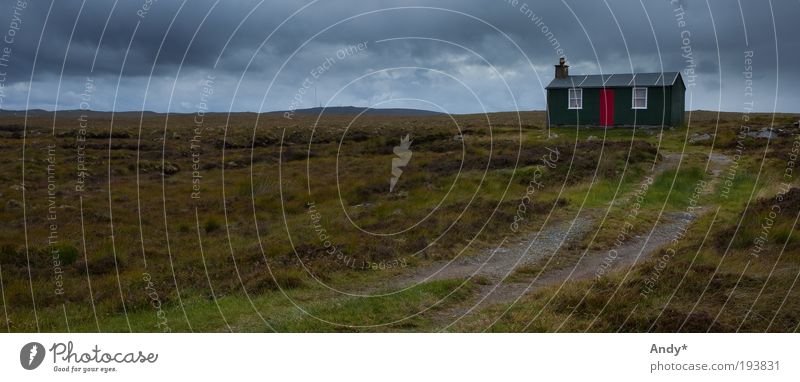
637,249
493,267
592,263
497,264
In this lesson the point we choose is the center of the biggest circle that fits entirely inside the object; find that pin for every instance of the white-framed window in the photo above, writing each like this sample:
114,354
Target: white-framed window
639,98
575,98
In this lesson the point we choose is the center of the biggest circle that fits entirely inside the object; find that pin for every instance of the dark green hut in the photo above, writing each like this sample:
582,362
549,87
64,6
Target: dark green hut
639,99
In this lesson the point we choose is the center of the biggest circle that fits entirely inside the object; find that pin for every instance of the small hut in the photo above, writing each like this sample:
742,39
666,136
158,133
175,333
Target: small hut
637,99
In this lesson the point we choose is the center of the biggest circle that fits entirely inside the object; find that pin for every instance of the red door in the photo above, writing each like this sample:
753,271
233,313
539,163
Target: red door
606,107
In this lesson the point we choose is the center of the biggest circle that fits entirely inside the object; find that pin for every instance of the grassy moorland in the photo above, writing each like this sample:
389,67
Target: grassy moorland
259,223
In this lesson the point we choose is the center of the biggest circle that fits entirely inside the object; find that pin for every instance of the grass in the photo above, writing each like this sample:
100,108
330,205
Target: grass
249,236
700,288
308,310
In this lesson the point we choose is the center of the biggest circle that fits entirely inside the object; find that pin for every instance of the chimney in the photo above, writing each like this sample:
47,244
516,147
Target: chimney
562,69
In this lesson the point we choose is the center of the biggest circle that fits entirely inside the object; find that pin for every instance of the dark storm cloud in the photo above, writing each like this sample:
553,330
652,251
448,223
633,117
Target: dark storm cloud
180,44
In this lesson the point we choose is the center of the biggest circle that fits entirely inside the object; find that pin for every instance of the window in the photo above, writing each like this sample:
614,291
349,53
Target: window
576,98
640,98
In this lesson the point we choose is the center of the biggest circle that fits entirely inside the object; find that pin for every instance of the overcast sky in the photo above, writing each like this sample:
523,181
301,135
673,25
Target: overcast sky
458,56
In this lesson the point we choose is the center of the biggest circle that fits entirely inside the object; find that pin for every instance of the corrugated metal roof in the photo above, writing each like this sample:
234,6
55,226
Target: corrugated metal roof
595,81
620,80
569,82
615,80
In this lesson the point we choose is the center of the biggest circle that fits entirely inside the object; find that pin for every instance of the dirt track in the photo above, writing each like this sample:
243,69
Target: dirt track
589,266
493,268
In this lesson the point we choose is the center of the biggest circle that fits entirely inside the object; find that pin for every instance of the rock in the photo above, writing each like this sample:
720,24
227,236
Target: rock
13,205
171,168
699,137
552,136
458,137
763,133
591,138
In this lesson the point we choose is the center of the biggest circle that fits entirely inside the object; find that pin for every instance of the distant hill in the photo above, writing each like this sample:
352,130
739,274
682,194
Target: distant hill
338,110
70,113
355,110
21,113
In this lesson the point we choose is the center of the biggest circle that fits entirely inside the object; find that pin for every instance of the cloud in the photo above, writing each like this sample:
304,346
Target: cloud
500,50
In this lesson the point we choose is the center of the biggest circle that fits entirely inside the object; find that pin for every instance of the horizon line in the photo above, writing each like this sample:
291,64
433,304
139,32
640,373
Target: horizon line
349,106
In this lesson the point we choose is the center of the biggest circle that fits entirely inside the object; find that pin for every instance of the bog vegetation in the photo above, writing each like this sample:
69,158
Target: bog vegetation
258,223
